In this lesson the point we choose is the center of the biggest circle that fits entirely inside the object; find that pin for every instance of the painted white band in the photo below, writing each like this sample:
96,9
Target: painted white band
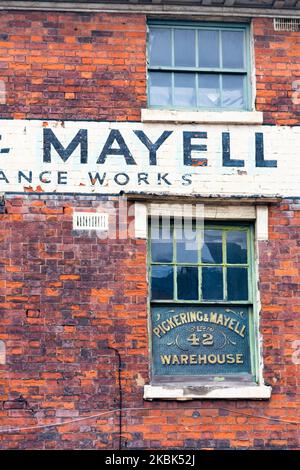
168,392
204,117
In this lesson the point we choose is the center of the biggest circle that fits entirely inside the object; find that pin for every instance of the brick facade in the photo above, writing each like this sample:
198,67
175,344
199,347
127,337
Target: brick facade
93,66
67,298
73,65
277,71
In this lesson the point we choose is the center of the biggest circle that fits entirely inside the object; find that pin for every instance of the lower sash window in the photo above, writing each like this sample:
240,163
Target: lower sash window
201,302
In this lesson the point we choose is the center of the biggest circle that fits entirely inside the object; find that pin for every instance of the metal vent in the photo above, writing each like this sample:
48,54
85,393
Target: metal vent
90,221
287,24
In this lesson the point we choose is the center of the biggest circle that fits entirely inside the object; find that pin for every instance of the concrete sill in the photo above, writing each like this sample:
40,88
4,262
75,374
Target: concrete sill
202,117
206,392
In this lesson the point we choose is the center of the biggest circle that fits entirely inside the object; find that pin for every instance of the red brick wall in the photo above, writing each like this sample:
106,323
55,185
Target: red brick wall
277,71
93,66
65,297
73,65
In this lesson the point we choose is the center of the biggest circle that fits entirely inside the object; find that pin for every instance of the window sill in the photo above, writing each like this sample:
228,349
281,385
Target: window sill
207,392
204,117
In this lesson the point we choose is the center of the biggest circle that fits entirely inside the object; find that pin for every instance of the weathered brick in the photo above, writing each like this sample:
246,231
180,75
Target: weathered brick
67,297
60,359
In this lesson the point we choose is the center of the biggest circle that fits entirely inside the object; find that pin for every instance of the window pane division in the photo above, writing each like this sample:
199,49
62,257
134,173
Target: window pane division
213,267
198,67
184,48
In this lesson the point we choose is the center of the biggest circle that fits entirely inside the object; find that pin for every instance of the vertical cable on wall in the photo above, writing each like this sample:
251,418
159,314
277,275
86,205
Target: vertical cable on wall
120,392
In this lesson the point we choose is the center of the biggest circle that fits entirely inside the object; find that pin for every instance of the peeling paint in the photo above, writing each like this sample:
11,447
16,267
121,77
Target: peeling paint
30,189
198,163
139,380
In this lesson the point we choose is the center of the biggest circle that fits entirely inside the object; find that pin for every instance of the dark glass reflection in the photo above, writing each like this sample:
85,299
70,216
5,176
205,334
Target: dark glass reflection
162,251
212,283
237,247
161,244
212,247
237,283
162,282
187,283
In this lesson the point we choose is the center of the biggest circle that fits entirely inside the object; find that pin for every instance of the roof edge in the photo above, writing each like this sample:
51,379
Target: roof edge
156,10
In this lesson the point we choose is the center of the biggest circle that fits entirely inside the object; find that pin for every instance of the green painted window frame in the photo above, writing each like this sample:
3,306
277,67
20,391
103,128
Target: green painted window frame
250,303
246,71
249,265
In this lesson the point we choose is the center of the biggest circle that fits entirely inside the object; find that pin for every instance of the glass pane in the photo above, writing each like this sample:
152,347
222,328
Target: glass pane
209,53
162,251
160,92
212,283
186,244
162,282
184,48
160,46
237,247
212,247
233,49
237,283
233,91
161,237
185,90
209,90
187,283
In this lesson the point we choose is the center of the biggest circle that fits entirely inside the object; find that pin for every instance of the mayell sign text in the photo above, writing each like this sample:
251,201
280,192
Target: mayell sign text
109,157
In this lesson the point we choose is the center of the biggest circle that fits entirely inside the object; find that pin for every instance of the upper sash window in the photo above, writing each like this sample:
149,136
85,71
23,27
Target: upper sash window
198,66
